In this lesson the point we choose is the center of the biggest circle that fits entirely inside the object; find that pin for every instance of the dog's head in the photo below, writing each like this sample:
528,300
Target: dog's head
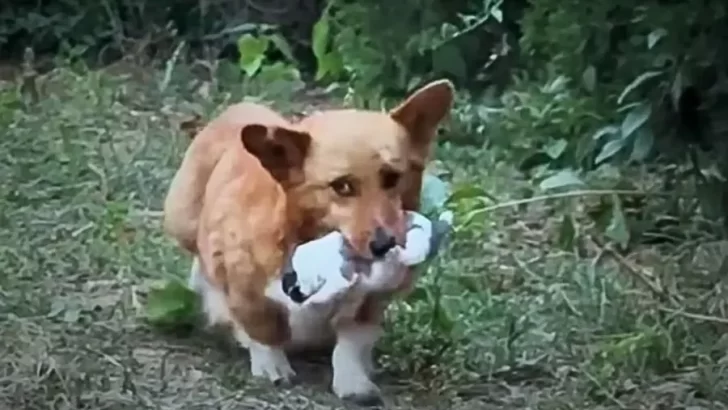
356,170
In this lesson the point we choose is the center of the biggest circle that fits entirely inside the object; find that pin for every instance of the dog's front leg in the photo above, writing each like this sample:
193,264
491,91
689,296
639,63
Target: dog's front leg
266,361
261,325
352,363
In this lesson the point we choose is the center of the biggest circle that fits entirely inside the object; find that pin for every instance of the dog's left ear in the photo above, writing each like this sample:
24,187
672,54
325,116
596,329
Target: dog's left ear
280,150
423,111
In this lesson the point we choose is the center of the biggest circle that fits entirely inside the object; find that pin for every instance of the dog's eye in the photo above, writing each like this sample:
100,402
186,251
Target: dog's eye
390,179
344,186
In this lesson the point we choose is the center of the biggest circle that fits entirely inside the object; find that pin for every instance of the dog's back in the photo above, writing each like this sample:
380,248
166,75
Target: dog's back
185,197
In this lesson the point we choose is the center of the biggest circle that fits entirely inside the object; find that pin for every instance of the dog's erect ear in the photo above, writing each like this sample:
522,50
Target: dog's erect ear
279,149
423,111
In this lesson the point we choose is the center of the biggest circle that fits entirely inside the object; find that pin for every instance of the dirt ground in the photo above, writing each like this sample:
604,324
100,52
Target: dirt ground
85,160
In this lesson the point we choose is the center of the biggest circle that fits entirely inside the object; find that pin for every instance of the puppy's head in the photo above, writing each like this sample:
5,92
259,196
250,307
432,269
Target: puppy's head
363,168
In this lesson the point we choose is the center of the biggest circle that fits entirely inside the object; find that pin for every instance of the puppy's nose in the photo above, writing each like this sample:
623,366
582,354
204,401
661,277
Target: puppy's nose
382,242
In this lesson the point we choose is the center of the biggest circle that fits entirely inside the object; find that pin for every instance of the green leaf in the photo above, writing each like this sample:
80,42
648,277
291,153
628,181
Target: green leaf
556,148
655,36
589,77
468,283
467,191
435,193
677,87
567,233
252,53
448,58
609,150
442,320
329,64
497,14
561,179
618,230
279,71
642,146
320,37
171,304
282,45
636,118
533,160
418,294
636,83
606,130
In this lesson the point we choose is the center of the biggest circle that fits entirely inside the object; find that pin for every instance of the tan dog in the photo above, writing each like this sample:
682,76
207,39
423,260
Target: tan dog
252,185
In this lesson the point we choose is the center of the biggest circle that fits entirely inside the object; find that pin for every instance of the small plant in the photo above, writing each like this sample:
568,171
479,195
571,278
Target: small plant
271,77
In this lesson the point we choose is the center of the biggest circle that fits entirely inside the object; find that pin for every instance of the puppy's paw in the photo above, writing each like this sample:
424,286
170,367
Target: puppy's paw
270,363
357,390
351,383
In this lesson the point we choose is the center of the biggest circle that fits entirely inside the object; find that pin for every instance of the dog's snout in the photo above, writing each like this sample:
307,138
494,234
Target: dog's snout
382,242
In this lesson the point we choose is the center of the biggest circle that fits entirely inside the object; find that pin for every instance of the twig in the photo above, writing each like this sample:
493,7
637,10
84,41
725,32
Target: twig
695,316
171,65
637,272
660,293
560,195
472,27
603,389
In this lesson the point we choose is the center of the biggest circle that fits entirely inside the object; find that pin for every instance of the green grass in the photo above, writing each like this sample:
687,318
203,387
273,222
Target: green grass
505,320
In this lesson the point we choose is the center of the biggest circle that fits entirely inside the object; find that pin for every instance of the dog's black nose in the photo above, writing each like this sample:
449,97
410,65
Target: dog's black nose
381,243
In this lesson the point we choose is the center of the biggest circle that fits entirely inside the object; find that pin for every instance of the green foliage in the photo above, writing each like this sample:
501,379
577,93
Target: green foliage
276,76
171,304
382,46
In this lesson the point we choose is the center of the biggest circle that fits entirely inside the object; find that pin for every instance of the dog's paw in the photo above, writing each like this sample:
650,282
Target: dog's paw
362,391
271,363
351,384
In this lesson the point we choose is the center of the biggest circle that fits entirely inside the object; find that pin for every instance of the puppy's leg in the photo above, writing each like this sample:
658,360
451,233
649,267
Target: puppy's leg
352,363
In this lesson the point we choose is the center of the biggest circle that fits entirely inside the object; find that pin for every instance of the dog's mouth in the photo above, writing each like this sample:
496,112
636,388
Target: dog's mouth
350,254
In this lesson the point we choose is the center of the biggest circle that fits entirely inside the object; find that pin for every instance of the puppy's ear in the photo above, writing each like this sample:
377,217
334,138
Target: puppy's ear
280,150
423,111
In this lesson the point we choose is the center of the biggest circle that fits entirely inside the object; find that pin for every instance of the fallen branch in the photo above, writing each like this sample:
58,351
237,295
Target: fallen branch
695,316
637,272
661,294
560,195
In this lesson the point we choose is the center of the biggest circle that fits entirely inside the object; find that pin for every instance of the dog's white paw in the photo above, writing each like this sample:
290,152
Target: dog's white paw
354,385
352,364
270,363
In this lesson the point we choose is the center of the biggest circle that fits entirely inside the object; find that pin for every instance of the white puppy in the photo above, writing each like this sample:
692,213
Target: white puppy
322,271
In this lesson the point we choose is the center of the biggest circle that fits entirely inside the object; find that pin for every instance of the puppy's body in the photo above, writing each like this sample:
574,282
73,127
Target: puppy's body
252,185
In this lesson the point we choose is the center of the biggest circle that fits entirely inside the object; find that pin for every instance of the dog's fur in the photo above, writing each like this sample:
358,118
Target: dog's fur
252,184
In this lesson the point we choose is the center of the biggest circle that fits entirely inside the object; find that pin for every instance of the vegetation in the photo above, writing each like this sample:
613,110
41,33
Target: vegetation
585,160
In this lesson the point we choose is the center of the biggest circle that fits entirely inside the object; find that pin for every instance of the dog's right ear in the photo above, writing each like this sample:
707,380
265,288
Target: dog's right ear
280,150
